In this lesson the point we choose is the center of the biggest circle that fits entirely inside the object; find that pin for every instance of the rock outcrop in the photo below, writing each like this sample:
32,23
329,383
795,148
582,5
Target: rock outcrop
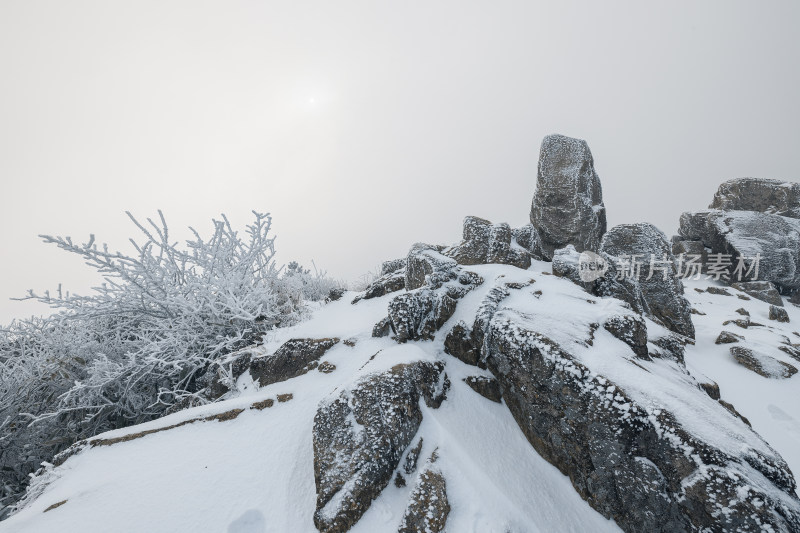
629,463
484,242
662,289
759,194
568,205
294,358
425,265
360,436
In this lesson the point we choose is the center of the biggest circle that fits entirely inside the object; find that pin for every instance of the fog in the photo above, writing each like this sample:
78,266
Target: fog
364,127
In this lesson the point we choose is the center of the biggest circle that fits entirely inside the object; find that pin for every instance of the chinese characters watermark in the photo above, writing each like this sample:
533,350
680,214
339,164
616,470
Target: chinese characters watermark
718,267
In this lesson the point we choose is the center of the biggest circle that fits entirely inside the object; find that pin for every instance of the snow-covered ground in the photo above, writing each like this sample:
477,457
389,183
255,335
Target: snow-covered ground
254,473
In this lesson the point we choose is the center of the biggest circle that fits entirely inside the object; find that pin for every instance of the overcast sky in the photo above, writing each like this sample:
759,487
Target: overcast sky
364,127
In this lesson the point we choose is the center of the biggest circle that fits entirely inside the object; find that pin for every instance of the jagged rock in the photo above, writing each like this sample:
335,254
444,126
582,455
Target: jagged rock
420,314
743,323
631,330
626,461
663,292
425,265
393,265
294,358
719,291
528,237
762,364
726,337
758,194
744,312
746,234
485,242
382,328
760,290
486,387
669,347
712,389
611,284
360,436
428,507
399,480
778,313
459,344
326,367
568,205
387,283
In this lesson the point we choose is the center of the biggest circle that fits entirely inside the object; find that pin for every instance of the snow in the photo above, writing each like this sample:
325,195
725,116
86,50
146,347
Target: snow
254,473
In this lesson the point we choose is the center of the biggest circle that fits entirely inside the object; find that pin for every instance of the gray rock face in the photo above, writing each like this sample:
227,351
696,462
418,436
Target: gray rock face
758,194
485,242
294,358
663,292
762,364
760,290
625,462
612,284
360,437
775,239
726,337
425,265
486,387
458,343
631,330
528,237
419,315
428,506
568,204
385,284
778,313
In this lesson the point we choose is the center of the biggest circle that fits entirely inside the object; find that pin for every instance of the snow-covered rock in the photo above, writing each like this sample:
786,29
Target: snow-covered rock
568,205
759,194
662,289
484,242
774,239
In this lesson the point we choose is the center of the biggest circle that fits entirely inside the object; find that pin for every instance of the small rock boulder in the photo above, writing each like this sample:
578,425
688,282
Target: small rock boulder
568,204
778,313
428,507
663,291
762,364
630,329
758,194
726,337
294,358
760,290
425,265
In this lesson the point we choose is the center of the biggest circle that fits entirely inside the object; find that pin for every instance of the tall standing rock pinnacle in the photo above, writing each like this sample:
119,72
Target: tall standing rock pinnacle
568,204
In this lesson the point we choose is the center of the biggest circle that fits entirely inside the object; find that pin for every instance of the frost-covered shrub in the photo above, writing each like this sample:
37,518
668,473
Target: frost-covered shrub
144,341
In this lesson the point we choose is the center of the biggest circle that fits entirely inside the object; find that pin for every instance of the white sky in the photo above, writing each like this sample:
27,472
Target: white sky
364,127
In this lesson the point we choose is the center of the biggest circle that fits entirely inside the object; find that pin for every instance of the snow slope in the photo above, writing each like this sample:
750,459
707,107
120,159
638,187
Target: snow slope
255,473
